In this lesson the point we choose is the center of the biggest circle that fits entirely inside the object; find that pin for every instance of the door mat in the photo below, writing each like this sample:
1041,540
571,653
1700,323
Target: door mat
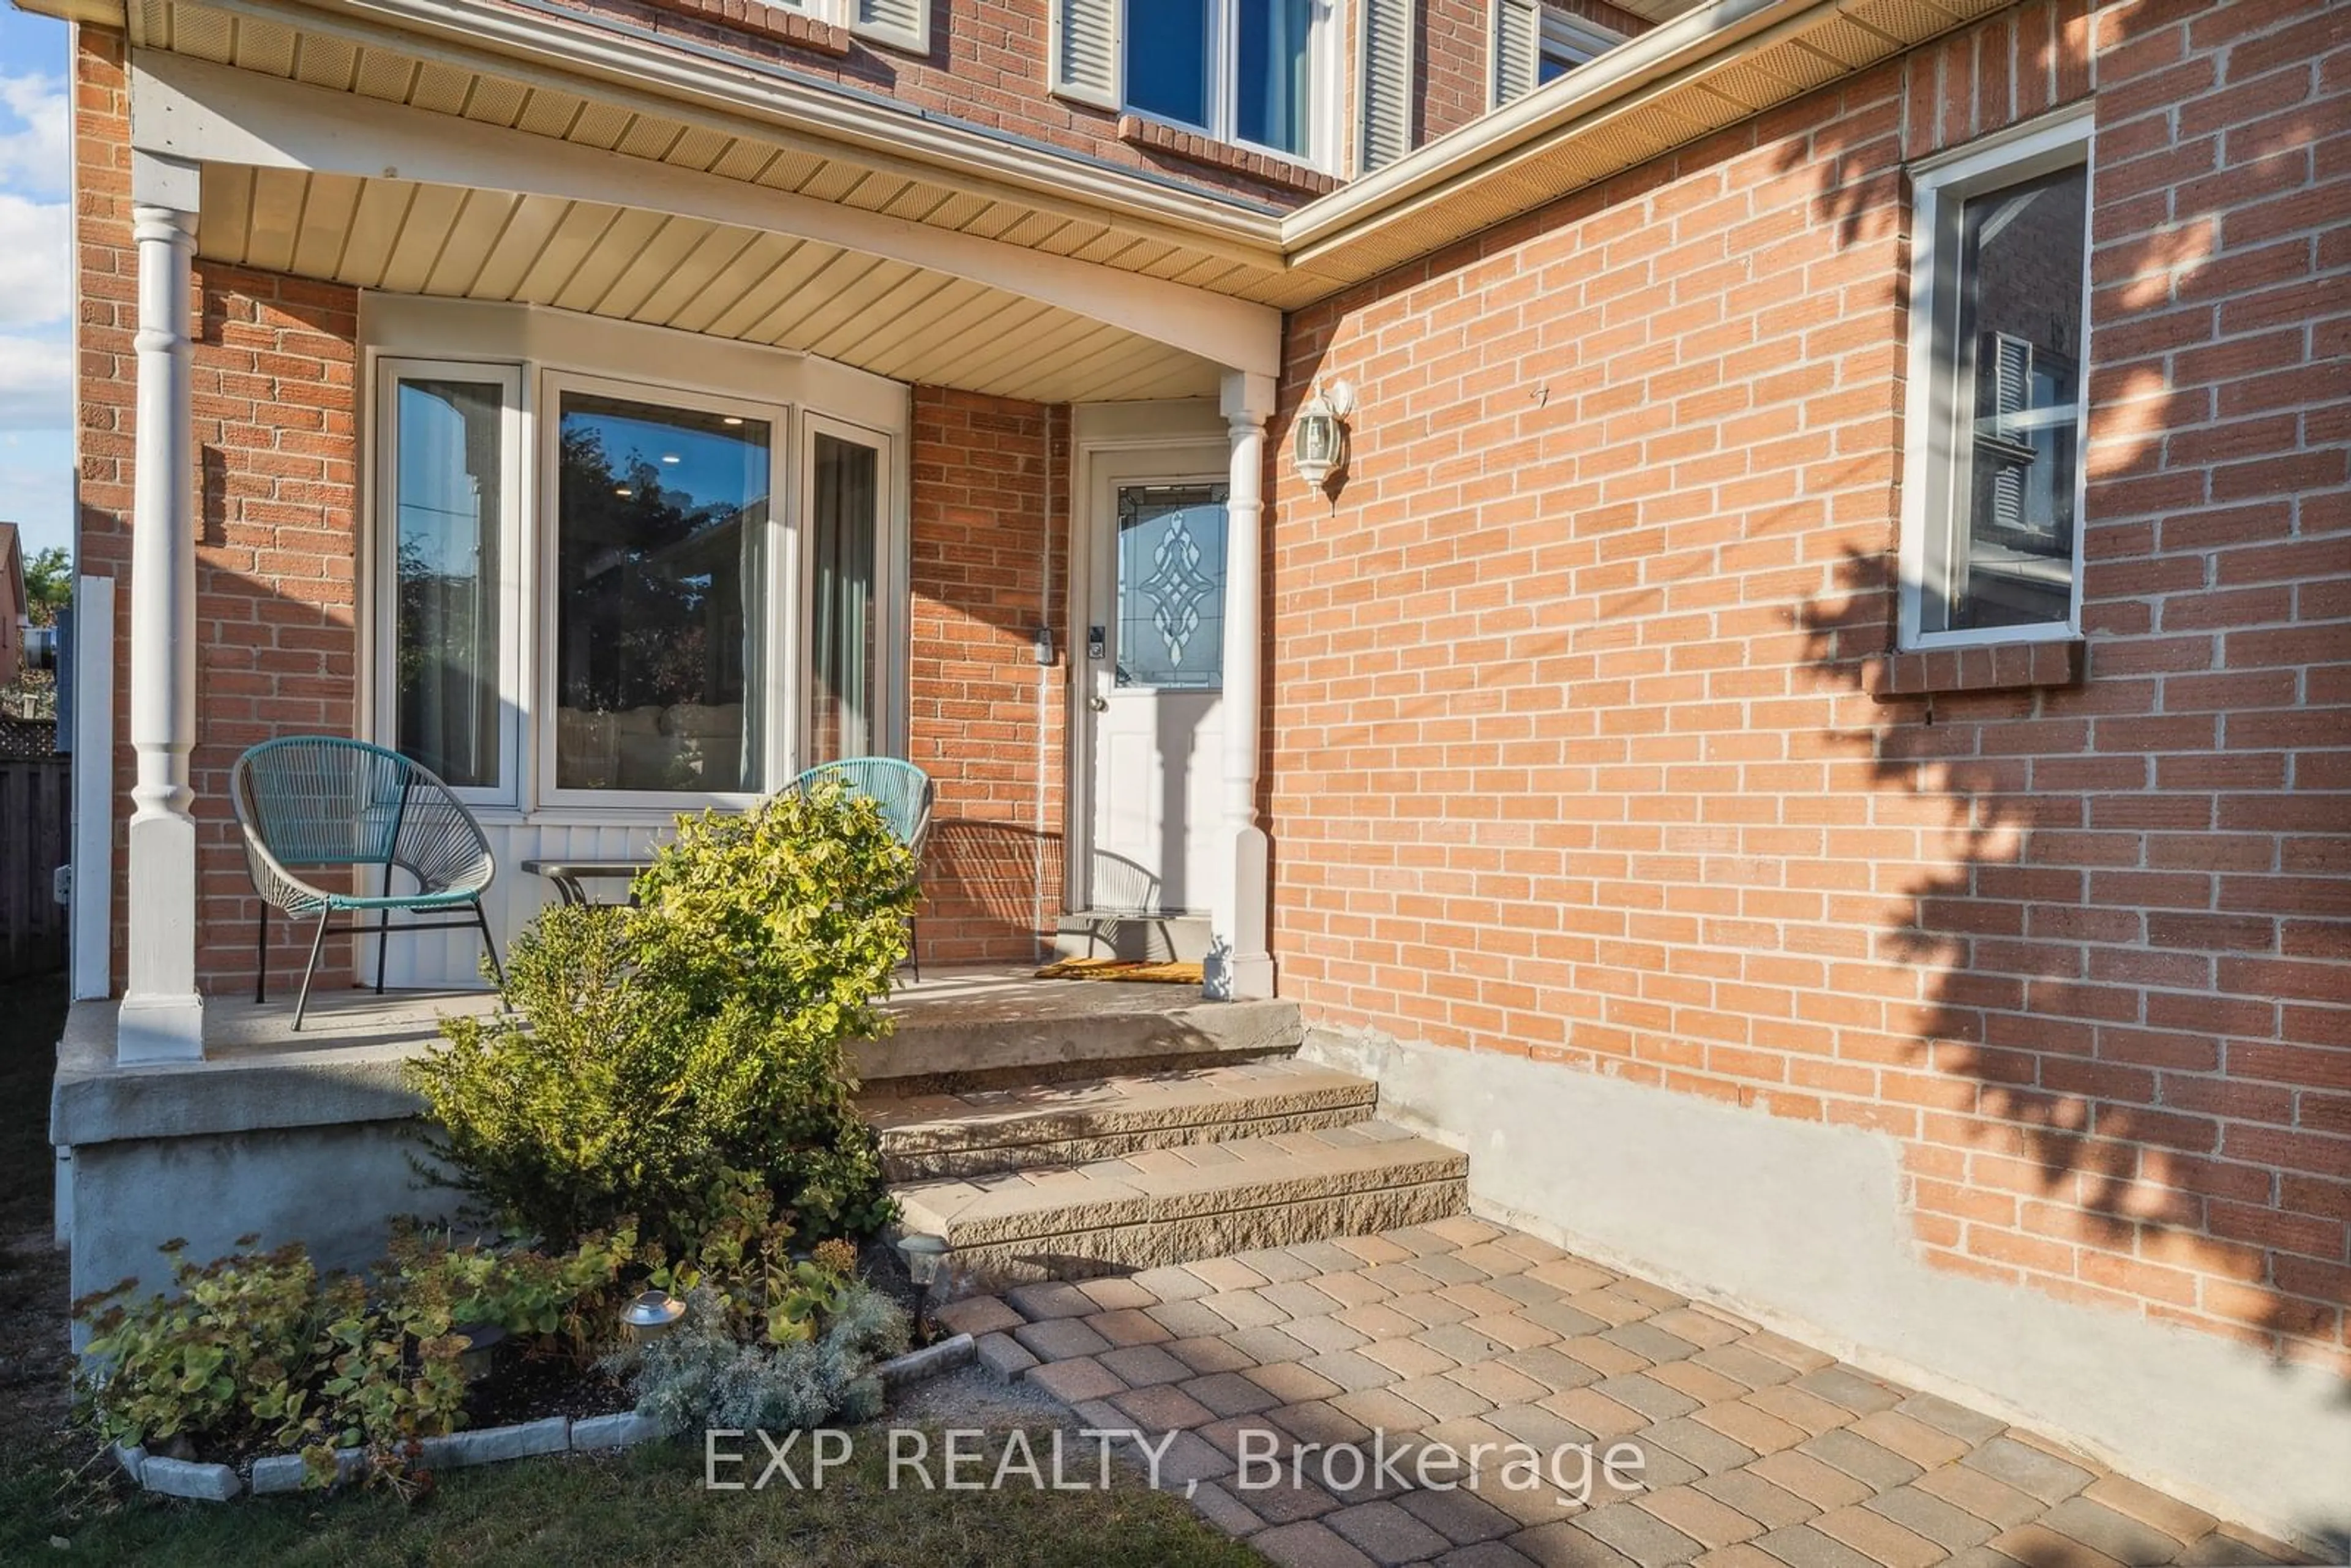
1123,969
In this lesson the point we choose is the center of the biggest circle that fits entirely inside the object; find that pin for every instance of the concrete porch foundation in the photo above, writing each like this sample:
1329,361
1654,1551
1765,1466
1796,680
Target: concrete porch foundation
309,1136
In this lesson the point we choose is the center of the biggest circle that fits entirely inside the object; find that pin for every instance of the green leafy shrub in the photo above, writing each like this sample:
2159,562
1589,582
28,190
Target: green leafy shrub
260,1353
235,1356
566,1301
651,1051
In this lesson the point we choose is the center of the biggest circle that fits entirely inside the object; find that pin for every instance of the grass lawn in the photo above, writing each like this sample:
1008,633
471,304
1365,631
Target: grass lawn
648,1506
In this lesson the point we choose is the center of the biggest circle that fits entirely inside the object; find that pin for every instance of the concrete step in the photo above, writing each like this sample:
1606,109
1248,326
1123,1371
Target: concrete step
951,1034
1083,1120
1182,1204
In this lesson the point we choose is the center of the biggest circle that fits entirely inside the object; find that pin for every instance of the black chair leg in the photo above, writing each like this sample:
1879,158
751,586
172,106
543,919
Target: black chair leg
914,945
317,941
489,946
382,946
261,957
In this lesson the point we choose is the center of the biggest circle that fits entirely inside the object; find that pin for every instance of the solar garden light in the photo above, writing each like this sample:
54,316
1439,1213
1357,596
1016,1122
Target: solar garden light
923,1252
652,1315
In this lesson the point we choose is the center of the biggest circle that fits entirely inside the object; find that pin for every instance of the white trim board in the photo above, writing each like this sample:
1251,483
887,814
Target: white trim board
92,912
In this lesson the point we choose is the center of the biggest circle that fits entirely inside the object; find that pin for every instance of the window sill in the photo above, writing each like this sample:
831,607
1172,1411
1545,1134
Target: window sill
1997,667
779,23
1157,136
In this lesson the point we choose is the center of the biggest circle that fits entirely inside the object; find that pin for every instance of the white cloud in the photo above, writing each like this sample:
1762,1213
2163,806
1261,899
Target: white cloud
33,259
34,155
37,481
36,383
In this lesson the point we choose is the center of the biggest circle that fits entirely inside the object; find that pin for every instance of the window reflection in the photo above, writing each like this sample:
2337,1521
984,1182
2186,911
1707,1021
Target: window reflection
447,503
661,542
844,521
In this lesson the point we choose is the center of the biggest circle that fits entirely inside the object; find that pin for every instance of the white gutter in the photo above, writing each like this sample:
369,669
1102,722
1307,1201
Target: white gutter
1696,39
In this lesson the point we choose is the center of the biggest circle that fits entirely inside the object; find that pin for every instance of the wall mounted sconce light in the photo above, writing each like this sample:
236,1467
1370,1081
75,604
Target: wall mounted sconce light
1319,436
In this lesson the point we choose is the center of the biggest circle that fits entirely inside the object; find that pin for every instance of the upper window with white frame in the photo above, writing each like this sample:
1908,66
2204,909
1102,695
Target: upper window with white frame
1569,41
1533,43
1252,72
1999,308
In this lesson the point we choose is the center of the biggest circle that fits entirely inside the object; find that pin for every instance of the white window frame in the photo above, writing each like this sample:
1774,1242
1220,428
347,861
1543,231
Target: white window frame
1931,516
1576,39
892,599
914,37
1325,126
389,371
779,706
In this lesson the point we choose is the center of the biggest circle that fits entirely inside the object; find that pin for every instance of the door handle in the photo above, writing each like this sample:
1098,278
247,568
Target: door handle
1100,705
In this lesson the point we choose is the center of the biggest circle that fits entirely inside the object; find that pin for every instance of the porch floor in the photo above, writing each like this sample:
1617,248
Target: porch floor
344,1065
401,1022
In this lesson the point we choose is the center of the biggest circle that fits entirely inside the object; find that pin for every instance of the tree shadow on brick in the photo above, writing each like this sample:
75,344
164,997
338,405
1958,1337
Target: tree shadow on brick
2121,1021
981,886
2075,1052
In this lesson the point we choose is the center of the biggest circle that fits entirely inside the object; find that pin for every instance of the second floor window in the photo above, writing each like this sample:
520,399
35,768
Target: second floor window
1245,71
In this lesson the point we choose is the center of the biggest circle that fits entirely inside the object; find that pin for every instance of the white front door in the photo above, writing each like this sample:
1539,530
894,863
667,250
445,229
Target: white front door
1155,664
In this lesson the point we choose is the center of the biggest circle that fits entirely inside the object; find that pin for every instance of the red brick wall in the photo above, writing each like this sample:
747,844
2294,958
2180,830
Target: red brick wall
276,474
1574,753
990,518
1451,69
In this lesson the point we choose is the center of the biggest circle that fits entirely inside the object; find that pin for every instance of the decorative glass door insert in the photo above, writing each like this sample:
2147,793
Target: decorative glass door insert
1171,587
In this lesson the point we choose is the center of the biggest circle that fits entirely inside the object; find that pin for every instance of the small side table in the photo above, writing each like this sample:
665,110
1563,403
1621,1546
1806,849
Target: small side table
567,875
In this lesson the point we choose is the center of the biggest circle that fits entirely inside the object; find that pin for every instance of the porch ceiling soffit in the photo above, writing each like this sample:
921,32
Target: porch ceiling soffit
719,280
217,114
573,78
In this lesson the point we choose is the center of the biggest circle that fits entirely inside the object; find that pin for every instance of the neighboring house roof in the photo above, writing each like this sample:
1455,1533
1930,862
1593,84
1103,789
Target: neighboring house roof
700,107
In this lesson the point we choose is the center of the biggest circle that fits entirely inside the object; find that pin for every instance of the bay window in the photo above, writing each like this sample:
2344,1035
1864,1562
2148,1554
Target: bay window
683,600
1991,535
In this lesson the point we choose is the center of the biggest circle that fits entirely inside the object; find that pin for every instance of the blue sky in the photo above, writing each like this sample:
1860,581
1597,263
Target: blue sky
35,351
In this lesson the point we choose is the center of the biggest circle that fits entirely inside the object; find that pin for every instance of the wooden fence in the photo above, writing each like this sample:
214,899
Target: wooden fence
36,834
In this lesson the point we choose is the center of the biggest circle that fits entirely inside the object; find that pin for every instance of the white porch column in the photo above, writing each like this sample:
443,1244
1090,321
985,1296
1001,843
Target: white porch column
162,1017
1240,964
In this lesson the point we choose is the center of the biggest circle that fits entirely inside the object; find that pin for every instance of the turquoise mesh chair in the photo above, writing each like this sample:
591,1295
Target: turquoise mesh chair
903,791
313,802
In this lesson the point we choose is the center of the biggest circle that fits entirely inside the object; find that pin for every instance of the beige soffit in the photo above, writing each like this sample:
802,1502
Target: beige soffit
630,263
566,76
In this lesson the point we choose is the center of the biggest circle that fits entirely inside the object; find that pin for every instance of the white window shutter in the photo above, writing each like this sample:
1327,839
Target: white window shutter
901,24
1086,52
1517,48
1384,90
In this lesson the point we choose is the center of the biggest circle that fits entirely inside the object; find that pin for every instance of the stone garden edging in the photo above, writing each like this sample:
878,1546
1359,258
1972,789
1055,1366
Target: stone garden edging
279,1473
